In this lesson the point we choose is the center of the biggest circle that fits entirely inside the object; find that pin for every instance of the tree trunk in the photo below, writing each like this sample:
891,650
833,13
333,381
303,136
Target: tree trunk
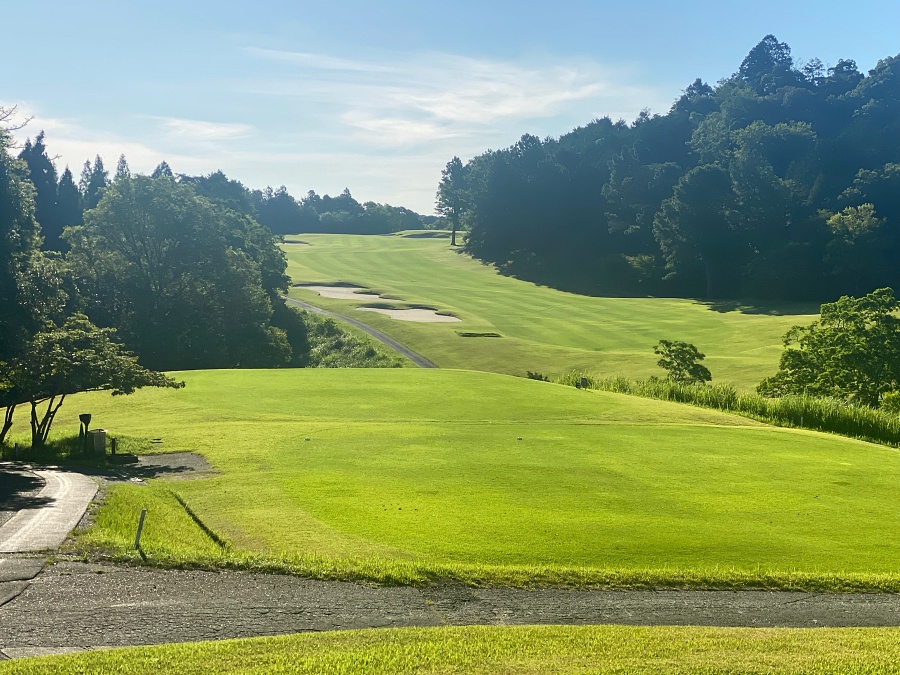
7,422
40,429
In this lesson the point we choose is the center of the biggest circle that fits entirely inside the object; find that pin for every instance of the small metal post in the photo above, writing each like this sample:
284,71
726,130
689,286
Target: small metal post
137,537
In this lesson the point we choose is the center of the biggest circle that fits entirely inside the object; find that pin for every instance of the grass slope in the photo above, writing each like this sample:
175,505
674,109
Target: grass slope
543,329
421,473
564,650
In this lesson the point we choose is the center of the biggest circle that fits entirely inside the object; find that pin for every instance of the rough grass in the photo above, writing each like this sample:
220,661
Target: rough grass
544,329
807,412
411,474
524,650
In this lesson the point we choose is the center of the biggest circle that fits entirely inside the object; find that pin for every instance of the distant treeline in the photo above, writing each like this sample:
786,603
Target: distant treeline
61,202
179,266
781,182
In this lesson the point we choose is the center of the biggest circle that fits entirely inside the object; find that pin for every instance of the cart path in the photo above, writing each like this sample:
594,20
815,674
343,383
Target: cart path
44,520
385,339
73,606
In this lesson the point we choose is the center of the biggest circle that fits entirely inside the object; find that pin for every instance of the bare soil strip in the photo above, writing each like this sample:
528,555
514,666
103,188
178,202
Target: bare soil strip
83,606
401,349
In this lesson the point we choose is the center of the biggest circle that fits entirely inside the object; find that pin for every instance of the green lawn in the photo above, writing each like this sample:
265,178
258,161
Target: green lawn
416,473
494,650
543,329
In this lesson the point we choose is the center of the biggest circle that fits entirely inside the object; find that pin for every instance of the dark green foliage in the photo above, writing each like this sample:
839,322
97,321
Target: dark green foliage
42,174
162,170
19,240
537,376
680,361
331,346
452,195
73,358
728,194
94,180
122,170
68,207
281,214
852,353
189,284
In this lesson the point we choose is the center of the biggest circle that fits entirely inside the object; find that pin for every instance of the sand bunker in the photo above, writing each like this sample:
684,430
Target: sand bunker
342,292
295,243
418,315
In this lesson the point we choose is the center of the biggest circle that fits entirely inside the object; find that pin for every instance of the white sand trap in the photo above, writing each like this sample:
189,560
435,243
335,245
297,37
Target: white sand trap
418,315
343,292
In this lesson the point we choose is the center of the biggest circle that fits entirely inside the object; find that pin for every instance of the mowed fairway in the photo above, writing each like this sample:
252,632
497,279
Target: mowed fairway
543,329
436,469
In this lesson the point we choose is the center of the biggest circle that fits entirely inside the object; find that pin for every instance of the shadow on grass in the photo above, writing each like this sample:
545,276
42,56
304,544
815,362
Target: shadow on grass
761,307
68,454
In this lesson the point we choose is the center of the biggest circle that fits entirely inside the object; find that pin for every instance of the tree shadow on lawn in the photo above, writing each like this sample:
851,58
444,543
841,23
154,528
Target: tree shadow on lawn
68,454
761,307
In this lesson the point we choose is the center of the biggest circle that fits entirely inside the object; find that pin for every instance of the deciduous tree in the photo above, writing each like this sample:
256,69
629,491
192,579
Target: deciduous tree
851,353
73,358
681,361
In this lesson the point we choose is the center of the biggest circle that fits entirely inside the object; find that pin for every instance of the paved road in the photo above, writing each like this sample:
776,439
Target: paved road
401,349
53,512
74,606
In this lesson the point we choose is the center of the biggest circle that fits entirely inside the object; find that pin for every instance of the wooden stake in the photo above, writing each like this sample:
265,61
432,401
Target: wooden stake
137,537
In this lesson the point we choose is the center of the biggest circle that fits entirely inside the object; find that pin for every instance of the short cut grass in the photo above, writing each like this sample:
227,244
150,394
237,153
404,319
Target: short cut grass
496,650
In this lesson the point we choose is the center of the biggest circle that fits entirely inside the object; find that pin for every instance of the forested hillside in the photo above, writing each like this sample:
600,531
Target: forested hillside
179,268
781,182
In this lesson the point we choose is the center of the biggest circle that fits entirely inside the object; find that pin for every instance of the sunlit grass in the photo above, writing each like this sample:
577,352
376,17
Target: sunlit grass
524,650
409,475
543,329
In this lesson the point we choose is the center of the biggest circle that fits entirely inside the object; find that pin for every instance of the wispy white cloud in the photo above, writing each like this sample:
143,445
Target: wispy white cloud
421,98
204,131
320,61
71,142
382,126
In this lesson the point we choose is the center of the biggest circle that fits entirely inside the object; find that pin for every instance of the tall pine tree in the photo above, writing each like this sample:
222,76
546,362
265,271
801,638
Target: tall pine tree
43,176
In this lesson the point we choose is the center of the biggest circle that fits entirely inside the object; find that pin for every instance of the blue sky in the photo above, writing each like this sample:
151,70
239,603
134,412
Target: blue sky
372,96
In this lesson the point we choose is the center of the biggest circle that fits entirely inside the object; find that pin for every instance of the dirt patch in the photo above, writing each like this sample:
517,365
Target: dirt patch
417,315
343,292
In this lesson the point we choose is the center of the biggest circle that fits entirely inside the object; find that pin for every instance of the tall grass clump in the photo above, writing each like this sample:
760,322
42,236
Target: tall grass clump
807,412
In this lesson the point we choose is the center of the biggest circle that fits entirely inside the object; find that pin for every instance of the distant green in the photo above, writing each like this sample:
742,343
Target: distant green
504,650
486,477
543,329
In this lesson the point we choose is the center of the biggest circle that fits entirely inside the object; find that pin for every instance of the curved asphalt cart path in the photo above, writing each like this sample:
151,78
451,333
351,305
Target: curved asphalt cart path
59,506
41,519
75,606
401,349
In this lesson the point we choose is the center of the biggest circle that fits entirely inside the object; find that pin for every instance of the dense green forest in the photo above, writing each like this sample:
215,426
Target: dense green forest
781,182
177,270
